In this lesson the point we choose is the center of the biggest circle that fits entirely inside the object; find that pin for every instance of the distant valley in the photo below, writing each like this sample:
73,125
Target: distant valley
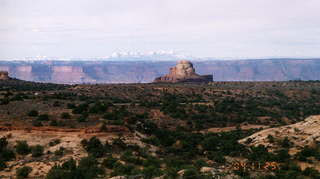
146,71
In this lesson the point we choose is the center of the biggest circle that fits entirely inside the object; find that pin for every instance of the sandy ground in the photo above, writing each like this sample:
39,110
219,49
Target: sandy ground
69,140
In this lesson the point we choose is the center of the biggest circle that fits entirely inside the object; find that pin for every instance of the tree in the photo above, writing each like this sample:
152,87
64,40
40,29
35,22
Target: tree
23,172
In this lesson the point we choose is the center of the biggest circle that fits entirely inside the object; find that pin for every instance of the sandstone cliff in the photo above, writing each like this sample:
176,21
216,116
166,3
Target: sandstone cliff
183,72
147,71
4,75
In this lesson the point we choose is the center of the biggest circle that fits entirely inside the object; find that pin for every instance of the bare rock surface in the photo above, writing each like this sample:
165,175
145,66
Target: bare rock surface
4,75
304,133
183,72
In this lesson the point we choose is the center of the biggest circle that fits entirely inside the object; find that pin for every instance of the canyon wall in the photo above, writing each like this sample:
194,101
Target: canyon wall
146,71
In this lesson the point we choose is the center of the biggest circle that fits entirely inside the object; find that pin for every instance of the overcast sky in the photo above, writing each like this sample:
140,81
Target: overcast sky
202,28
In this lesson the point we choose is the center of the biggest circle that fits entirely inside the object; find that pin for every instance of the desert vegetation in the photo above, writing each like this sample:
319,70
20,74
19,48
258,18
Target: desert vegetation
153,130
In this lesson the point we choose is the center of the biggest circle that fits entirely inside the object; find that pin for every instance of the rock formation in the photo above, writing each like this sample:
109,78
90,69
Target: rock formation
183,72
304,133
4,75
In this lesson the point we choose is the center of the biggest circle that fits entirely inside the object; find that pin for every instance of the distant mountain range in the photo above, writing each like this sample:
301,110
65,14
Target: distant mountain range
144,70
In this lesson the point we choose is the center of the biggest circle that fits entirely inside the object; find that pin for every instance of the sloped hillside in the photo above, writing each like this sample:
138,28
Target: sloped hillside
298,135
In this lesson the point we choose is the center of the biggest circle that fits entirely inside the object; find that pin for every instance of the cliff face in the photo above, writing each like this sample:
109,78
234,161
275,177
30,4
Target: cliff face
147,71
183,72
4,75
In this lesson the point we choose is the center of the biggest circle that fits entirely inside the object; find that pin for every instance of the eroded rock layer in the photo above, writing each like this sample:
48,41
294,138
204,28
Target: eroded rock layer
4,75
183,72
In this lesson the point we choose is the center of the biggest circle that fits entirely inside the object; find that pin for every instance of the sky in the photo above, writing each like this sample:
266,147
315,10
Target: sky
201,28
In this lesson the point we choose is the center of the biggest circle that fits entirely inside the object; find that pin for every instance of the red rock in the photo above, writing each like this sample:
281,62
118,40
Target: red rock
4,75
183,72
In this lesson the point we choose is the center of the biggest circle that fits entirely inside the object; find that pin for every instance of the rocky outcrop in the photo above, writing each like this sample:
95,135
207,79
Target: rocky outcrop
304,133
146,71
4,75
183,72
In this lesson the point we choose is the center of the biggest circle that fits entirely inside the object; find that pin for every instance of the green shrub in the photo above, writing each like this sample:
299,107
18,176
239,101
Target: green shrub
37,151
65,115
22,148
54,142
59,152
33,113
3,165
94,147
23,172
37,123
191,173
7,154
43,117
109,162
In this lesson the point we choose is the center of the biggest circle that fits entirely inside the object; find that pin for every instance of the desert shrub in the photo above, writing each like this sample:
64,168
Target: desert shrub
306,152
117,122
286,143
4,101
87,169
37,150
147,127
57,123
98,107
151,172
260,153
22,148
171,173
282,155
128,157
110,116
124,170
191,173
270,138
59,152
217,157
65,115
3,143
43,117
23,172
94,147
81,108
6,154
54,142
83,118
3,165
37,123
71,105
109,162
33,113
311,172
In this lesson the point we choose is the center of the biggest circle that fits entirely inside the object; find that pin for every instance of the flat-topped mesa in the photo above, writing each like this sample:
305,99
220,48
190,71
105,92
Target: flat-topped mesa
183,72
4,75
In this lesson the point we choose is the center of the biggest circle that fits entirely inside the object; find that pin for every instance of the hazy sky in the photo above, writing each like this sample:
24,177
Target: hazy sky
202,28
